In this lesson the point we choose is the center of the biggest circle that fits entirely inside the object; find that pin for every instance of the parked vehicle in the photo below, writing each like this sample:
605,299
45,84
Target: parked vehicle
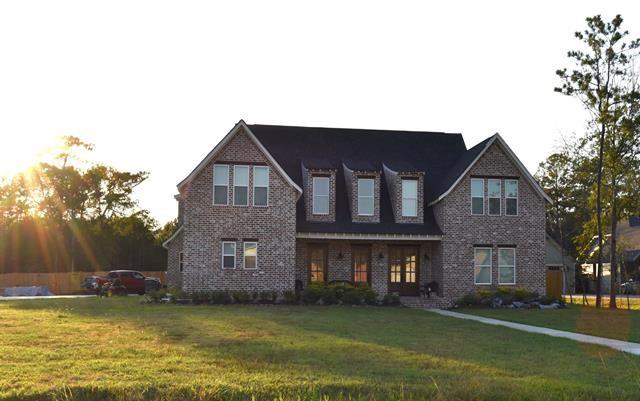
133,282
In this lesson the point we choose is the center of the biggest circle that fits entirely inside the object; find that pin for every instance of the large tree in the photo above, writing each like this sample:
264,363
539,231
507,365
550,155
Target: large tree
595,79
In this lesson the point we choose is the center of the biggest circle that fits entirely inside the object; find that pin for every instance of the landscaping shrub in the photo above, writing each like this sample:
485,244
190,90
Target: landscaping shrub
369,296
241,297
200,297
222,297
505,296
312,294
290,297
391,300
353,296
330,296
268,297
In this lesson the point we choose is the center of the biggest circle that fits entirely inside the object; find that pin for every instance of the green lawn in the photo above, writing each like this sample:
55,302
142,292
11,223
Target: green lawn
619,324
119,349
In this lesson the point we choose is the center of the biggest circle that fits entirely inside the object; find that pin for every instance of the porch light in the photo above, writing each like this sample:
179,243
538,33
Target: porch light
380,256
340,256
426,256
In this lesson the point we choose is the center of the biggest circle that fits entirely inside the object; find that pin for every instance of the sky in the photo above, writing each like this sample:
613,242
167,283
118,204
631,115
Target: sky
156,84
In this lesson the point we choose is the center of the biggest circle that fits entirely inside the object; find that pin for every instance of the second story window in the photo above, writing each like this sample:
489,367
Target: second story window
409,198
495,197
181,261
220,184
511,197
241,185
320,195
477,196
366,195
260,186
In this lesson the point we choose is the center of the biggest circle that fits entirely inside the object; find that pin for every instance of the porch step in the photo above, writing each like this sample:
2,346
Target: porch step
429,303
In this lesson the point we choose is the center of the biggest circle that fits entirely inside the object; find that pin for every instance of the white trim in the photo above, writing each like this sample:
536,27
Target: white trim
244,255
373,195
489,197
370,237
517,198
513,157
256,186
235,252
235,167
165,244
475,248
240,125
227,185
471,193
514,265
313,195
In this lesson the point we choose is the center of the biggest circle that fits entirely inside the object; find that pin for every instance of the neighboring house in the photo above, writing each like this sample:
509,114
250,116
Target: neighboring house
557,259
272,207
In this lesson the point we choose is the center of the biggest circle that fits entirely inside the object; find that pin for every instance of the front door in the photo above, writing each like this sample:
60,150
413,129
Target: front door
403,270
318,256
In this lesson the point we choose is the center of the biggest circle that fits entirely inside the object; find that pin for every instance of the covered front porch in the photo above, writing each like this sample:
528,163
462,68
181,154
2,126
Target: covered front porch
403,265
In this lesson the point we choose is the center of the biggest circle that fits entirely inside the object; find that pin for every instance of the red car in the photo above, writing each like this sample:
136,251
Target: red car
133,281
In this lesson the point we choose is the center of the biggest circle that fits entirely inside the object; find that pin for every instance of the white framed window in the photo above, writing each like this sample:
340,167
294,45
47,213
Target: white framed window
409,198
482,265
511,197
366,196
181,261
320,195
495,197
220,184
477,196
241,185
250,255
260,186
228,255
506,265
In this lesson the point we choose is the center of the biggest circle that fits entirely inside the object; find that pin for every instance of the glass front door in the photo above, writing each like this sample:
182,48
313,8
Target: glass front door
403,270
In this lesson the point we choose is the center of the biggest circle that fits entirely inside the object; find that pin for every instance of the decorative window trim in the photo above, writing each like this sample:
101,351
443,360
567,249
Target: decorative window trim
490,265
235,169
508,266
314,195
260,186
226,186
475,197
489,197
403,197
223,254
244,255
180,262
372,196
511,197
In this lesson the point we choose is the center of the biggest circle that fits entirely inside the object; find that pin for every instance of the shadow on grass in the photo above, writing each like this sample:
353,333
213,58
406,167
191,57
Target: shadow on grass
384,353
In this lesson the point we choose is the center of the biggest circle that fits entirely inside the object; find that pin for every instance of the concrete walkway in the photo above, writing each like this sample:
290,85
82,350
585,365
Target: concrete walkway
45,297
624,346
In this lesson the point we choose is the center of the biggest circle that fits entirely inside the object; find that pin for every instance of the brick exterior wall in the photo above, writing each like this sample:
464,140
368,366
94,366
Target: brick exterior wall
307,189
174,276
206,225
462,230
351,182
394,183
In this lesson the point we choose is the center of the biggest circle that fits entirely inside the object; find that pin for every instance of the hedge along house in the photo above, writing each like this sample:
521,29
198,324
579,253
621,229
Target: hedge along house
275,207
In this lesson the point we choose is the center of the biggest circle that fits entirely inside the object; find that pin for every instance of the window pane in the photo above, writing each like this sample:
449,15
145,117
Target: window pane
220,195
511,188
240,196
482,256
507,275
506,257
260,196
365,186
365,206
321,205
494,188
229,248
477,188
483,275
241,175
494,206
410,188
228,261
250,249
221,175
477,206
512,206
261,176
320,186
409,207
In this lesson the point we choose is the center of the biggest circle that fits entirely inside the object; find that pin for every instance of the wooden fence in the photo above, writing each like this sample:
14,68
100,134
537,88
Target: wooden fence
59,283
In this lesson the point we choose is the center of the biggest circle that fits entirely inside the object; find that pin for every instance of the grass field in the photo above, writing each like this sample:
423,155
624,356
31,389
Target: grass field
96,349
619,324
622,302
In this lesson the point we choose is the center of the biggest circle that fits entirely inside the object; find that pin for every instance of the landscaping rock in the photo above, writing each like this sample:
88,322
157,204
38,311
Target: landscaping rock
518,305
550,306
496,302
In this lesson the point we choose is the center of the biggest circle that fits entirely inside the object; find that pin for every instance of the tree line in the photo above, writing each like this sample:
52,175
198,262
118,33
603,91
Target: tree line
594,178
64,214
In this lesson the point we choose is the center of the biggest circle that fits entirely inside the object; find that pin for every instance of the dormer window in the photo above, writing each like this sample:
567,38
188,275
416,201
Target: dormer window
409,197
320,192
366,196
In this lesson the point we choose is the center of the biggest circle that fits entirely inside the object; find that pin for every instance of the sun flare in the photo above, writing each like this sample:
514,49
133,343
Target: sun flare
20,153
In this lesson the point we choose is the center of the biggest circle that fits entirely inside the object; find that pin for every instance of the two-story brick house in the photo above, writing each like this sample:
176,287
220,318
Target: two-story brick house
270,206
